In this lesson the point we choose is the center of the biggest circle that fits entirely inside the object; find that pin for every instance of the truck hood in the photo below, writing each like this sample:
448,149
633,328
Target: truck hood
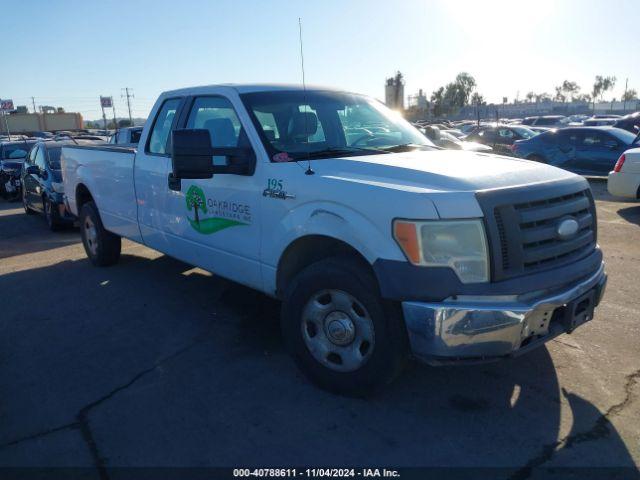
440,171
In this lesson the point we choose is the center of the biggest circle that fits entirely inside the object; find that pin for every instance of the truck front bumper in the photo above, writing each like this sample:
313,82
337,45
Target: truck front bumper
473,329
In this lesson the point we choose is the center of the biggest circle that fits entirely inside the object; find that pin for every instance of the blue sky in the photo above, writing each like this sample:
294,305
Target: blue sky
67,53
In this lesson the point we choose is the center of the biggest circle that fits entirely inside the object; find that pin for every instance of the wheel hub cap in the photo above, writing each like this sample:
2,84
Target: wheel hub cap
340,328
91,235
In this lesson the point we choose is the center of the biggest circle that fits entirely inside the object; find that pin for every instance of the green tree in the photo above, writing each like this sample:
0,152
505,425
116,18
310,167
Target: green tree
569,89
530,96
437,98
196,201
559,96
629,95
477,99
601,86
124,123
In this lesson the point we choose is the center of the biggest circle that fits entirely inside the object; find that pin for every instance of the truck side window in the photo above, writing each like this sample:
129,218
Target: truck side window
162,126
217,115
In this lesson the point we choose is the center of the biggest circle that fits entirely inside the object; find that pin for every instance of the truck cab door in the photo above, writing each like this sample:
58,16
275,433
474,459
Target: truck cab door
211,223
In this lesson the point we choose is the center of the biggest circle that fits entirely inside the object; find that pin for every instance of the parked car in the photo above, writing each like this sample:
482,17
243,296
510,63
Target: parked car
630,122
42,187
539,129
583,150
377,244
126,136
545,121
455,132
624,180
599,122
500,137
12,155
442,138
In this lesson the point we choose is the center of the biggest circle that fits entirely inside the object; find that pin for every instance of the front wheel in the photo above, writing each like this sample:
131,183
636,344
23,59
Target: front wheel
25,204
102,246
51,215
343,336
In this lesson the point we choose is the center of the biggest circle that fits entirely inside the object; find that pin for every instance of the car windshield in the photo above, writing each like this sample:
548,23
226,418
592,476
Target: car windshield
14,152
296,125
54,158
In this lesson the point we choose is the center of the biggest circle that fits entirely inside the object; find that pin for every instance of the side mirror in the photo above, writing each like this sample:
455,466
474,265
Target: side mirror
33,170
192,156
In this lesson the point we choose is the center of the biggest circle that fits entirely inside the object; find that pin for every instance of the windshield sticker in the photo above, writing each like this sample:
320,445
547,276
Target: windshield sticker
211,215
281,157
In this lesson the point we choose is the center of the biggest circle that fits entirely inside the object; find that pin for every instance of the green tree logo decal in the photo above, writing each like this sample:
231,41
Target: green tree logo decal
196,201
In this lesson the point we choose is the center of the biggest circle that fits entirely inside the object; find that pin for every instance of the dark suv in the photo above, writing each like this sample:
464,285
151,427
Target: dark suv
42,188
12,155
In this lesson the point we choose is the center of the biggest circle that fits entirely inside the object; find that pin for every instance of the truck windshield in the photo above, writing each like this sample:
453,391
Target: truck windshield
296,125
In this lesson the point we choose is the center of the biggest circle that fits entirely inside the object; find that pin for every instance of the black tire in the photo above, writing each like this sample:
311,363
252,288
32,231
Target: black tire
537,158
51,215
102,247
27,208
390,348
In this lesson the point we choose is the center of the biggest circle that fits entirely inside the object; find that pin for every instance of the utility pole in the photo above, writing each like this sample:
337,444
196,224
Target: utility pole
33,101
128,96
624,98
115,123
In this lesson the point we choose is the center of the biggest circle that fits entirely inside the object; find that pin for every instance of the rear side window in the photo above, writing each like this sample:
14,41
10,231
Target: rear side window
162,126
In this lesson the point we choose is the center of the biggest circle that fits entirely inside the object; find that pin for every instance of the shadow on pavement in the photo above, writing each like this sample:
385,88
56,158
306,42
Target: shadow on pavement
17,232
180,368
631,214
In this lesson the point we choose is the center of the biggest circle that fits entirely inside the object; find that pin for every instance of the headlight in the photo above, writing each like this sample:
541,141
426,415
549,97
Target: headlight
458,244
57,187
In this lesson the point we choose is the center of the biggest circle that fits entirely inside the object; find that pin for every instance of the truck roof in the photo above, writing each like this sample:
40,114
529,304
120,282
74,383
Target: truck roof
249,88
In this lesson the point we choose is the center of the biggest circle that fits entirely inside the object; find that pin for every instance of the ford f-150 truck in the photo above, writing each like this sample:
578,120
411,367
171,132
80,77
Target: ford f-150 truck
378,243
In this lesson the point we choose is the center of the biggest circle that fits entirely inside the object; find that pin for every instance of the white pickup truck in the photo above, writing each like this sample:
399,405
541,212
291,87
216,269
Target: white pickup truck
378,243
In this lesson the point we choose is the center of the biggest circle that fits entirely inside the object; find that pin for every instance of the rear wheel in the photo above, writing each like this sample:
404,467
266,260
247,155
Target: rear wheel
343,336
102,246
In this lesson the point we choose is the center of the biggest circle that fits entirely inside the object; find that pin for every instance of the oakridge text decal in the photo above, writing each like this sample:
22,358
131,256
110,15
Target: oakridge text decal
211,216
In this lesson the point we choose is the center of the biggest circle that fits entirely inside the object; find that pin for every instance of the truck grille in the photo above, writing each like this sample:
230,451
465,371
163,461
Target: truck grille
524,235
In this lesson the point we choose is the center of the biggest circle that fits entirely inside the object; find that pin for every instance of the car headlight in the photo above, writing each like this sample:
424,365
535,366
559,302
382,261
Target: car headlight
458,244
57,187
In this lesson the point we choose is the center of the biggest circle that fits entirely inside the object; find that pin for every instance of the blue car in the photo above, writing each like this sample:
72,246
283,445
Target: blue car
42,188
584,150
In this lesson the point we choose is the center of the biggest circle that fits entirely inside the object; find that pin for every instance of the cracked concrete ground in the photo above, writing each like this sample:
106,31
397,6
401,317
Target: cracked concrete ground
154,363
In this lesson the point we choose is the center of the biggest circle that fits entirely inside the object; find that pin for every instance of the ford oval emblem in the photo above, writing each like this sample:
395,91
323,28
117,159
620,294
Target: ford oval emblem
567,228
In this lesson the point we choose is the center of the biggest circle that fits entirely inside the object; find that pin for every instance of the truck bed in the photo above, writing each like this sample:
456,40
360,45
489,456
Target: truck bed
107,172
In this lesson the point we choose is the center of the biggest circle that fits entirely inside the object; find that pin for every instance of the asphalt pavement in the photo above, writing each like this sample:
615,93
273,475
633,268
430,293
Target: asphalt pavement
155,363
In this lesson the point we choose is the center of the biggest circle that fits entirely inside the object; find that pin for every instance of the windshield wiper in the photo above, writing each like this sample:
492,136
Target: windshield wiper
404,147
335,151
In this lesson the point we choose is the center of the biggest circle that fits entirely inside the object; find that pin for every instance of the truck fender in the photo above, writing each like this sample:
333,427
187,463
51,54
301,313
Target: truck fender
329,221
